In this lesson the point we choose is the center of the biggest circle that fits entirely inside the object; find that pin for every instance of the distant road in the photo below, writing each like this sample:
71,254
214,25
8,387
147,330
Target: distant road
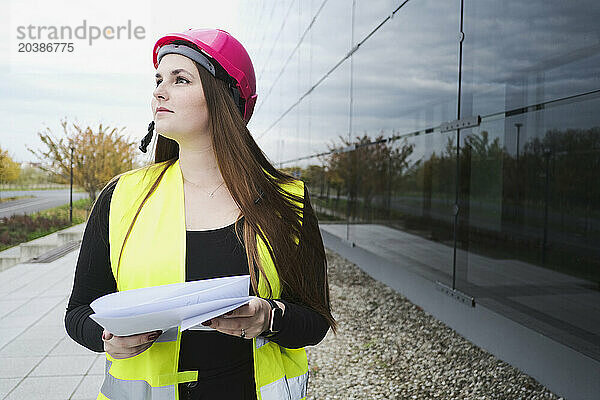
43,200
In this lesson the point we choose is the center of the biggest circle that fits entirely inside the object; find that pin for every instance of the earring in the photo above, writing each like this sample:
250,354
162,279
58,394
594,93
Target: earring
146,140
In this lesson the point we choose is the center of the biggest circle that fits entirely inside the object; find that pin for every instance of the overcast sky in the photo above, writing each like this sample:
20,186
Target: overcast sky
405,76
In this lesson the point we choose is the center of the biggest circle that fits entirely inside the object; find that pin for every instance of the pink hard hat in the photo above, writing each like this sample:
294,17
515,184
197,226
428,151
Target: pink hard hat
222,48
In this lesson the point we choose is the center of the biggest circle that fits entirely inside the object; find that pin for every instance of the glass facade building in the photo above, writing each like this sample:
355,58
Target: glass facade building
457,139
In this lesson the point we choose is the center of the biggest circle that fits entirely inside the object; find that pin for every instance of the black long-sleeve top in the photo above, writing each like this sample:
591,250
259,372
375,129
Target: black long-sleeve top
212,253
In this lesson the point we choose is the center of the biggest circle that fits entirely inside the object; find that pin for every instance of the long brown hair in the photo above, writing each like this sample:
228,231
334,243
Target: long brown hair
302,268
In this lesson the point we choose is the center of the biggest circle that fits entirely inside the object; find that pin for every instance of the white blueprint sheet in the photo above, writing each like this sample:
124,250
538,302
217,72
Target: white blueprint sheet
184,304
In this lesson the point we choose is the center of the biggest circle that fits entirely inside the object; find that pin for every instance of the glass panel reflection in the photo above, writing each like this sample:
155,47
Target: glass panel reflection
405,79
532,224
517,54
405,76
529,232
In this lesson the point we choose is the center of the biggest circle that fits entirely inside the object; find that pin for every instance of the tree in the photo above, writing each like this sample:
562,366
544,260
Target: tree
314,175
9,170
368,168
97,157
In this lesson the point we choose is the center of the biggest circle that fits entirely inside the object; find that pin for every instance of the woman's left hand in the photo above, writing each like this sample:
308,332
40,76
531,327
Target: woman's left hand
252,317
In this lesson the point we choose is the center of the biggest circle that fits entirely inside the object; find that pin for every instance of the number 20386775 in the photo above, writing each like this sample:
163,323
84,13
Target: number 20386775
54,47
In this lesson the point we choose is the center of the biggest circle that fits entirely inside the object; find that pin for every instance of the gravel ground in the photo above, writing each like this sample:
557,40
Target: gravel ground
389,348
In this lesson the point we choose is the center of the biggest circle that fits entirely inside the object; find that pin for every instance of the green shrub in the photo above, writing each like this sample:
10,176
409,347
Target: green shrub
18,229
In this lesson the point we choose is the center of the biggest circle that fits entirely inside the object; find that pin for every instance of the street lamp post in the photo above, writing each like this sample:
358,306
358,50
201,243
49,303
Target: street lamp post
518,206
547,155
71,194
518,125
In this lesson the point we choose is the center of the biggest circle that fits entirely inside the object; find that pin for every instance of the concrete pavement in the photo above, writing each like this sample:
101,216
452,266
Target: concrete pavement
38,360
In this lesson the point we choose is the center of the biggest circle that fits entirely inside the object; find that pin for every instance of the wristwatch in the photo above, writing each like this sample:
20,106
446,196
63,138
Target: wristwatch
275,320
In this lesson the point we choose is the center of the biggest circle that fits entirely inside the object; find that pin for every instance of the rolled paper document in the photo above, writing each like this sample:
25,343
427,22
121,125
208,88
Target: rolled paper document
184,304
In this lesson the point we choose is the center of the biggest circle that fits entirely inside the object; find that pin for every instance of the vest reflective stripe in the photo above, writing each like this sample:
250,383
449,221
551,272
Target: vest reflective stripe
154,254
298,386
118,389
286,388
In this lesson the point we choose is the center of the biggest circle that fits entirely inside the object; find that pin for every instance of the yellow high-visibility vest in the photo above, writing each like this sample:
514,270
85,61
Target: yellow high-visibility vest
155,254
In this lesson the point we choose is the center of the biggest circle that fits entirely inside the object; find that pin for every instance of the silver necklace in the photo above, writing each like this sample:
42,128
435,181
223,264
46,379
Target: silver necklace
212,193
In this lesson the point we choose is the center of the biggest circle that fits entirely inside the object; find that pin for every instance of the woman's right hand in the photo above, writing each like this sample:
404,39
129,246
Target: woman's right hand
128,346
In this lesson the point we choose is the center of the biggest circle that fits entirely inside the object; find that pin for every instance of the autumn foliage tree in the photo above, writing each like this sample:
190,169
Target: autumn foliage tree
98,155
368,168
9,170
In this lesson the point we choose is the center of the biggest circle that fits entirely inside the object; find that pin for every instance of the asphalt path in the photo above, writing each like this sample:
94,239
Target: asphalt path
42,200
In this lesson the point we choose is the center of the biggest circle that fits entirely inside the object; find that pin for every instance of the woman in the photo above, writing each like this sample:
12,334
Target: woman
210,205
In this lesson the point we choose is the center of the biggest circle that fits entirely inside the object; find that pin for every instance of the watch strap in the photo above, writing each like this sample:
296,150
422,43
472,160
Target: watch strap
274,305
